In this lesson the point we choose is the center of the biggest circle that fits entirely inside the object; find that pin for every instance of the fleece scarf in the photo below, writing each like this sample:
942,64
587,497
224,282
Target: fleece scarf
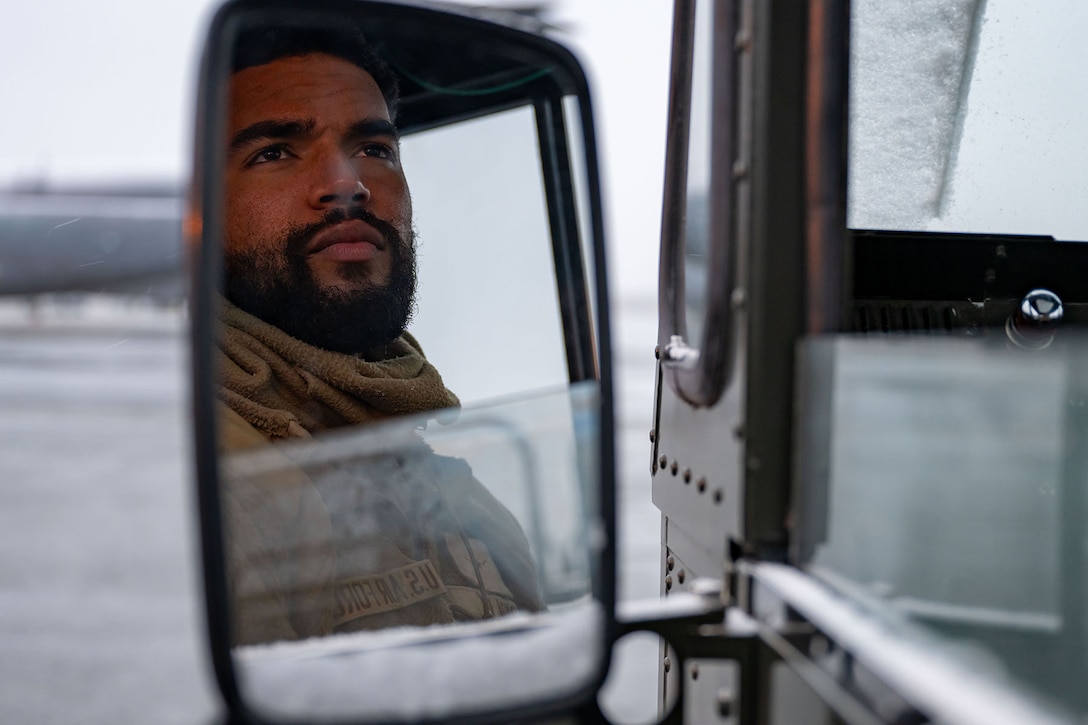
286,388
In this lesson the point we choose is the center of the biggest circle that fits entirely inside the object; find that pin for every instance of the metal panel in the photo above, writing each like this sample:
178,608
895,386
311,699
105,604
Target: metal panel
711,692
697,477
776,280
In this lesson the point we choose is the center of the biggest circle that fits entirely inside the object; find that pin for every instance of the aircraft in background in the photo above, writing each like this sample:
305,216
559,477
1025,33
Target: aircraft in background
120,238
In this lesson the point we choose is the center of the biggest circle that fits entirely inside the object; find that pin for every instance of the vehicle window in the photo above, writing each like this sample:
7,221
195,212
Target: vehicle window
942,478
945,485
965,117
496,217
697,218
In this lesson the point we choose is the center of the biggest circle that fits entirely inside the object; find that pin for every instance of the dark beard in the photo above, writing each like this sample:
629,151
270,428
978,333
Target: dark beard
279,288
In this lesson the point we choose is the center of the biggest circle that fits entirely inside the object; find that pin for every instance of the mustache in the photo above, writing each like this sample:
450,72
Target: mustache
298,238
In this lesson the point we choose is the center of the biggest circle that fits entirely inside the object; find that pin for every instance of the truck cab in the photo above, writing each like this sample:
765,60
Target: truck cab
868,395
870,433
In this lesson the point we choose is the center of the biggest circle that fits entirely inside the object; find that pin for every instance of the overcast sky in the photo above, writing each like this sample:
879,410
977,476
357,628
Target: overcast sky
103,91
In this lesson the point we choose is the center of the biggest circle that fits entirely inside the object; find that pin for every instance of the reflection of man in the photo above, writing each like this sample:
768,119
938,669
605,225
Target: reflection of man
320,279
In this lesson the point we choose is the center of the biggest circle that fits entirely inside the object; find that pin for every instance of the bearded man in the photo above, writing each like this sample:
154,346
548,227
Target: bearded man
319,260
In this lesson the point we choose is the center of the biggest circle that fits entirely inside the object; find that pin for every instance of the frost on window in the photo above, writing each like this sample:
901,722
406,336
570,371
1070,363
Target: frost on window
964,117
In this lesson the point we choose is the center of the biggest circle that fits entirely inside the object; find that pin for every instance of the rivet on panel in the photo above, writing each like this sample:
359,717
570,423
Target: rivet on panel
670,562
694,672
663,461
653,435
668,583
667,664
702,485
687,475
718,496
680,576
674,468
725,703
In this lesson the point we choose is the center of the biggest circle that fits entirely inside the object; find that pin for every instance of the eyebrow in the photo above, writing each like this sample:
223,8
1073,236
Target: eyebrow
270,131
373,127
274,130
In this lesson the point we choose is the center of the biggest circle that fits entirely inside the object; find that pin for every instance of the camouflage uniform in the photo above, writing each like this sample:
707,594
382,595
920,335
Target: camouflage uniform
403,538
408,538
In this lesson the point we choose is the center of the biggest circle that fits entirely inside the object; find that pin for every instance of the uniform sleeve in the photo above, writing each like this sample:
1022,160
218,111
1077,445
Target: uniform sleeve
484,517
280,561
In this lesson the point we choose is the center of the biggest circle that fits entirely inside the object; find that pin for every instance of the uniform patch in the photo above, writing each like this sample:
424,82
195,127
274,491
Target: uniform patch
389,590
469,601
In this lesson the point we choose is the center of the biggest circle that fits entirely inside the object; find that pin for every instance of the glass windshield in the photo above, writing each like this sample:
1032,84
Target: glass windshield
467,264
448,545
945,481
966,117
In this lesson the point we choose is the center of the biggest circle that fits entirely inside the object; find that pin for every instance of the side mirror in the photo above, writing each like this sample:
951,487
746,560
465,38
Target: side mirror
390,535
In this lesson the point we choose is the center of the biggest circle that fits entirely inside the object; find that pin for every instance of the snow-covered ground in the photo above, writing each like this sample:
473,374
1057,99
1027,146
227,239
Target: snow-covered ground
100,603
100,618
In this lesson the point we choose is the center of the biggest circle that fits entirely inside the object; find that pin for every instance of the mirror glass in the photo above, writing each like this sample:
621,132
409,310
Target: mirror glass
408,406
445,564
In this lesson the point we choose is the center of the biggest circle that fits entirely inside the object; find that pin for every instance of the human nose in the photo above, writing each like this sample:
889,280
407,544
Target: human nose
337,183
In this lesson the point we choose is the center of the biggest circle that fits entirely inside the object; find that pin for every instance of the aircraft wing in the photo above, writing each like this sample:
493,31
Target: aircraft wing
117,241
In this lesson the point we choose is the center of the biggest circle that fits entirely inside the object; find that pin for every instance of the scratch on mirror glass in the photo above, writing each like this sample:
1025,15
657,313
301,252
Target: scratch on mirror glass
91,264
118,343
63,224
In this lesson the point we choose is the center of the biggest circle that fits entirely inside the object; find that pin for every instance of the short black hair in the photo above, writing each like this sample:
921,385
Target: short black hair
263,44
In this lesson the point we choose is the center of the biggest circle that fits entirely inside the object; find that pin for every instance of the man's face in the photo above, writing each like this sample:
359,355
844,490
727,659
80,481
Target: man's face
319,235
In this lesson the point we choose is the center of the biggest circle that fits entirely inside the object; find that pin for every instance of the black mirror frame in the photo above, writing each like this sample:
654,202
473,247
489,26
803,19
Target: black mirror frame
201,225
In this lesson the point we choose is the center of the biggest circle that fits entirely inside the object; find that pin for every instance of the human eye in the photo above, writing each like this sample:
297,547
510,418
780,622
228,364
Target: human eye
267,155
378,150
